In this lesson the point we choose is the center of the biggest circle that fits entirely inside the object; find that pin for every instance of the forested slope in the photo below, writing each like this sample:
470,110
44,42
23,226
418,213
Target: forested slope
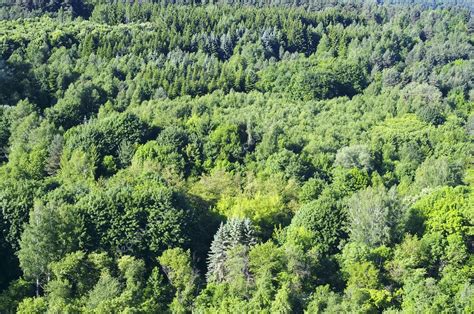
228,159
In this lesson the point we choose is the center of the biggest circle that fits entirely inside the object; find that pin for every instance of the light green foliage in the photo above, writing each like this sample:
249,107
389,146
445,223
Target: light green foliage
282,303
363,275
264,210
176,263
74,276
106,289
423,295
225,144
375,216
437,172
44,240
448,210
80,166
354,156
29,141
32,305
332,140
409,255
266,262
54,155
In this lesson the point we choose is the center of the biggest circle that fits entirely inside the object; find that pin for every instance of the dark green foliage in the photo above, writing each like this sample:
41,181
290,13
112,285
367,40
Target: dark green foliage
80,102
111,136
333,138
325,218
311,190
16,200
136,215
4,134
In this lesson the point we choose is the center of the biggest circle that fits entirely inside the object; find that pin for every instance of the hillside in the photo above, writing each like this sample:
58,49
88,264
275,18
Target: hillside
213,158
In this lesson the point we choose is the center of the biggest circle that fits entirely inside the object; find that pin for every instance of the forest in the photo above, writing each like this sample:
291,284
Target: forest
310,156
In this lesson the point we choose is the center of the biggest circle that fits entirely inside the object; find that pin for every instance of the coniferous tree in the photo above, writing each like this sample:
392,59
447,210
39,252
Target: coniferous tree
319,124
54,158
217,256
229,235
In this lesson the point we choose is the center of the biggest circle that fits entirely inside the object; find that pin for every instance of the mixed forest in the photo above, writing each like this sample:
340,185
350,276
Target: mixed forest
236,156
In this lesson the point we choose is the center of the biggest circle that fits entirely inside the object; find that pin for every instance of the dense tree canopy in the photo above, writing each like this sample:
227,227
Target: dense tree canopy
236,156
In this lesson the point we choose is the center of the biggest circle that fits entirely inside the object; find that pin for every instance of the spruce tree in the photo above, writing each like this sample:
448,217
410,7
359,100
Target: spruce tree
235,232
217,256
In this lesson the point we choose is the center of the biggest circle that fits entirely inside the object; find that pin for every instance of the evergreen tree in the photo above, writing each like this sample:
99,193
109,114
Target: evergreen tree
217,256
54,157
229,235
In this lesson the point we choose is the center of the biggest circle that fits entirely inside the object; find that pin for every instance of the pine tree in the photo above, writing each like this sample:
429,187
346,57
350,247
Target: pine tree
248,233
234,232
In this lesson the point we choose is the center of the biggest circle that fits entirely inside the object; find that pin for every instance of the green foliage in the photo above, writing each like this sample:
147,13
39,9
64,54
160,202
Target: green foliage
46,238
325,219
32,305
106,289
448,210
354,156
233,233
176,263
265,210
437,172
375,216
10,297
224,145
309,79
79,103
337,134
16,199
136,214
74,276
311,190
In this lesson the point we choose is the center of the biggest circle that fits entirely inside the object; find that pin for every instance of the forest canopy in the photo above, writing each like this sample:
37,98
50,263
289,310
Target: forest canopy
236,157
